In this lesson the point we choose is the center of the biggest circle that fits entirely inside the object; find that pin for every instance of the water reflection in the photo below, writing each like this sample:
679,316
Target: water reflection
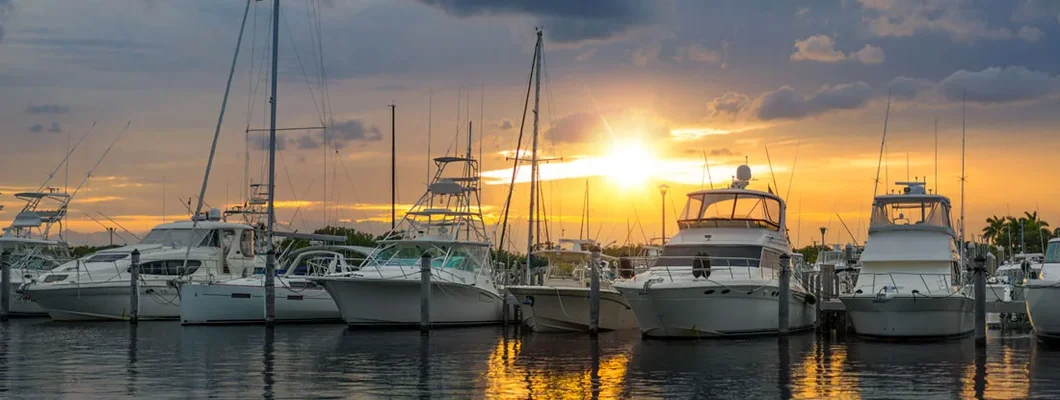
559,366
108,360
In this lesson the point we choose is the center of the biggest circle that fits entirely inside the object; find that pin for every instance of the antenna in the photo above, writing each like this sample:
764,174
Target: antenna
393,166
883,141
430,113
706,166
847,228
936,156
791,177
774,177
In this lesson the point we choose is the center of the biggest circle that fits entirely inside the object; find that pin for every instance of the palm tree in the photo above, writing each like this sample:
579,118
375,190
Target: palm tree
995,227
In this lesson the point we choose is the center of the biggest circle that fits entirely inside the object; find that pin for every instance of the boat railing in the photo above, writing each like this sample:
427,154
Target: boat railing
733,267
889,283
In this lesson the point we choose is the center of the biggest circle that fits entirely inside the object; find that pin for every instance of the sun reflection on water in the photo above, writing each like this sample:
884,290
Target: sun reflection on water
558,376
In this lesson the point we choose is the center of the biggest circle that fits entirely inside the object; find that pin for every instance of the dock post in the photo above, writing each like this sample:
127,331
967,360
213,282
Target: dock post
785,295
594,292
134,288
5,302
425,293
270,287
980,301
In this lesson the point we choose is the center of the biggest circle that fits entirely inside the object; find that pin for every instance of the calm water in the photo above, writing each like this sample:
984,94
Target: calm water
39,358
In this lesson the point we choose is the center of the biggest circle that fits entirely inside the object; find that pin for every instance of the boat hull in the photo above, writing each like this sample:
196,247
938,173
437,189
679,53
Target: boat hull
911,317
1042,299
566,309
689,312
221,303
106,302
365,302
22,305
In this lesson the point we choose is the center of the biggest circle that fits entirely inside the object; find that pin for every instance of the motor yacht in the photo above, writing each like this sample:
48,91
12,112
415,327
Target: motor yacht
910,284
1043,294
562,303
446,226
719,276
96,287
242,300
31,251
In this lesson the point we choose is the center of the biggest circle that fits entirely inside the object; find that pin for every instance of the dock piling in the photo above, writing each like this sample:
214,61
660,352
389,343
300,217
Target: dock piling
979,274
594,292
425,293
785,295
270,287
5,280
134,288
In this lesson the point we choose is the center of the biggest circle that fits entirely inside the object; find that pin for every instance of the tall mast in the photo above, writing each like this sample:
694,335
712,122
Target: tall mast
270,258
962,177
936,156
393,166
533,158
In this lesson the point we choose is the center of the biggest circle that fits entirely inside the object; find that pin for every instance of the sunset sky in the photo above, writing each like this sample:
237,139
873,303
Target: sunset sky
637,94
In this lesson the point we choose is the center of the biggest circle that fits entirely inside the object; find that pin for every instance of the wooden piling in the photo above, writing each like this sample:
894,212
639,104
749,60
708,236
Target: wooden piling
5,280
594,292
270,287
134,288
979,272
425,293
785,295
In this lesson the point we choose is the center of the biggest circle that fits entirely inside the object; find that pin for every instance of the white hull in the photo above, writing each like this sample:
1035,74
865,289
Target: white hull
688,312
223,303
396,302
1043,308
566,309
107,301
909,317
22,305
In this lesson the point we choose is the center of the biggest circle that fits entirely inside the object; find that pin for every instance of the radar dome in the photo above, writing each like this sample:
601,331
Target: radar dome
743,173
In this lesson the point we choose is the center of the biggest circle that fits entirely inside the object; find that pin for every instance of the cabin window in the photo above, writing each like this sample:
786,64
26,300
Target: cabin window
106,257
1052,253
720,256
170,267
731,210
180,237
911,211
246,244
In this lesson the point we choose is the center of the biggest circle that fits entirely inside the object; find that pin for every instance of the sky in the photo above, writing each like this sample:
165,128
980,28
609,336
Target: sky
635,94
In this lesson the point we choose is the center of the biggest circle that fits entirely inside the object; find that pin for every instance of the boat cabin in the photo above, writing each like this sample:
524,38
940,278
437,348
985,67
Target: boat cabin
732,208
913,209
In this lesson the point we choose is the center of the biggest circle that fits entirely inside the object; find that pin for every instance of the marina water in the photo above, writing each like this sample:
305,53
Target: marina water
43,359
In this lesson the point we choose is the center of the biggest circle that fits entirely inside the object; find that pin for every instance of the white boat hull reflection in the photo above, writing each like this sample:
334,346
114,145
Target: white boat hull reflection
566,309
396,302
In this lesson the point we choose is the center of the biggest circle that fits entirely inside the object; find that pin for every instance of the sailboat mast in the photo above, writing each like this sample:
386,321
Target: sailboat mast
962,178
393,166
533,158
270,258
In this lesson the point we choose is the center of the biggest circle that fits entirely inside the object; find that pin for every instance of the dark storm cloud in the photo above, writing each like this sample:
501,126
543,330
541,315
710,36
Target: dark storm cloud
998,85
786,103
567,21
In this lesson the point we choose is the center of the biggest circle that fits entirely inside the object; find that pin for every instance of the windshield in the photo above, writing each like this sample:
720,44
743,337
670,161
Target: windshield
720,256
731,210
1052,253
467,258
179,237
911,211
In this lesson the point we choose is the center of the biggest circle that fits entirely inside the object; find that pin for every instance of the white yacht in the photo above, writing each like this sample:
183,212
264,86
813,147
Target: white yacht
242,300
562,303
445,224
30,249
910,282
719,276
96,287
1043,295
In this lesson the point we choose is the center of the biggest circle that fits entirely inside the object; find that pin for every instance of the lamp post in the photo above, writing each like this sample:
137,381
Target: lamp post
823,245
662,190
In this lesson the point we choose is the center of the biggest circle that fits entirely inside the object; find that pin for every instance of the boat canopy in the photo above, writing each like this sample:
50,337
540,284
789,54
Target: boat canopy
916,210
732,209
1052,253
